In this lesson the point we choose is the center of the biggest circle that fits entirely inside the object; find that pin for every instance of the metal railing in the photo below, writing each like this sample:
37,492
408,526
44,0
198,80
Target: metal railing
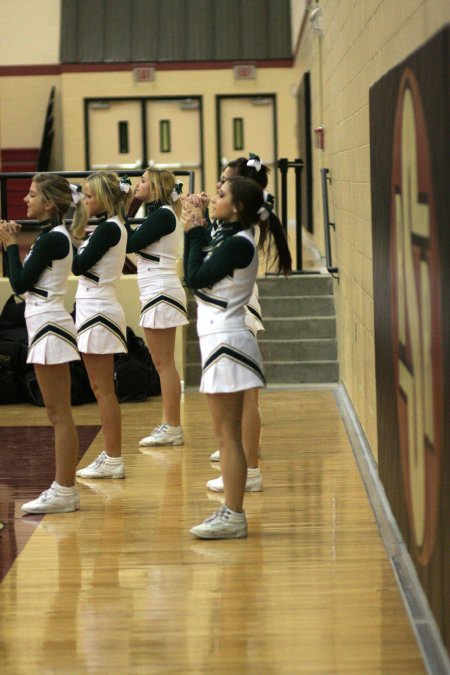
284,165
32,224
326,223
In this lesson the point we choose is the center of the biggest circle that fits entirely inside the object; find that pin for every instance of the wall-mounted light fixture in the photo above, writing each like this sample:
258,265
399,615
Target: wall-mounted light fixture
316,19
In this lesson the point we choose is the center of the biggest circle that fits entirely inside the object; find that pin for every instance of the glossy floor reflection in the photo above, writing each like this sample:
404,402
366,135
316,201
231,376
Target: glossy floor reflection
26,468
122,587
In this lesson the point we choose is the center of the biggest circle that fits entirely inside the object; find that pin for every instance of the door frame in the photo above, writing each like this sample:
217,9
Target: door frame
219,99
304,140
143,101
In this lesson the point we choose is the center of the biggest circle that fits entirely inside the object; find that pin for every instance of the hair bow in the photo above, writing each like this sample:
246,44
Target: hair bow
268,198
125,184
254,161
265,210
77,195
176,192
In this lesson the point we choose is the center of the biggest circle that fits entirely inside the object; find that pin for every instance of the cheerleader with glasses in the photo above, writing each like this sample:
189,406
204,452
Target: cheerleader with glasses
163,299
100,319
222,273
51,331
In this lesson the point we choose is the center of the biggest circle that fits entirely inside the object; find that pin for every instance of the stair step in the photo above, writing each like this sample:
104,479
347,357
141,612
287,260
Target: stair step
299,342
319,327
301,284
281,350
311,372
297,305
287,306
298,350
308,372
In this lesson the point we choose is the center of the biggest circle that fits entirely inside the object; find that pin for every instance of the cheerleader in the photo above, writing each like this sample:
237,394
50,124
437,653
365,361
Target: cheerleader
223,281
253,168
100,319
163,300
51,331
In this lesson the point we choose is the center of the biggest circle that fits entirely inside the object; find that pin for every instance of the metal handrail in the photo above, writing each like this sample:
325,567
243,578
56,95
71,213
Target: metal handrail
29,224
283,165
326,222
4,177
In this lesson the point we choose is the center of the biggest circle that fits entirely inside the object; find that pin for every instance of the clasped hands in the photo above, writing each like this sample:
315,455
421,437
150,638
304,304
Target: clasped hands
9,230
194,207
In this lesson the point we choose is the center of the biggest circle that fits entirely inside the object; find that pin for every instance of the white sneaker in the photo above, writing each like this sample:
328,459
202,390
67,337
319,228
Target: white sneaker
54,500
223,524
252,484
103,467
215,456
164,434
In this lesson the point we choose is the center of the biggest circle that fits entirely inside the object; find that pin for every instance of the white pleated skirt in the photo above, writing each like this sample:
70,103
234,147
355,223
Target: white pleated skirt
253,319
52,338
163,303
101,326
230,362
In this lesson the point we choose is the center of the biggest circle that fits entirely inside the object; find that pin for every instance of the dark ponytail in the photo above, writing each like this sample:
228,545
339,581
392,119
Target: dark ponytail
272,233
248,197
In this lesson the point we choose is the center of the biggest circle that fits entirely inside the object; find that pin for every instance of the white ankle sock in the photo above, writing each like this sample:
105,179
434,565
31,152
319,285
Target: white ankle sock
63,489
113,460
235,515
253,472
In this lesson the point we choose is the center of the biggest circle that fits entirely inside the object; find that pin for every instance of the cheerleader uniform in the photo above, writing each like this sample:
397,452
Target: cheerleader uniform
223,282
100,319
43,279
156,243
253,313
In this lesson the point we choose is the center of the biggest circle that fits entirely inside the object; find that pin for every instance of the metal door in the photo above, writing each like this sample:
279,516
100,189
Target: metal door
247,124
114,138
174,139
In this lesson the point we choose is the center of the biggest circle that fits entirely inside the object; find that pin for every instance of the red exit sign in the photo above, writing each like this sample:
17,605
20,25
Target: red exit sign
244,71
145,73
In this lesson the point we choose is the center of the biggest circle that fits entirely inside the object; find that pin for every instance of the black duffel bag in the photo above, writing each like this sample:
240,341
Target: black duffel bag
135,374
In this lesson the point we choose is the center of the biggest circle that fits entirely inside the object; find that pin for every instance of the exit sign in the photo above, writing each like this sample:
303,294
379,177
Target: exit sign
244,71
144,73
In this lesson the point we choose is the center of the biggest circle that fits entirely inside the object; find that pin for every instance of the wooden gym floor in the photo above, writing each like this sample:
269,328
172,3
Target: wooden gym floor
122,586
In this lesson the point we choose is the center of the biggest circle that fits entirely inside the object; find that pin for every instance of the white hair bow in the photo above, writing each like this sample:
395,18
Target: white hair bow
255,161
77,195
176,192
125,184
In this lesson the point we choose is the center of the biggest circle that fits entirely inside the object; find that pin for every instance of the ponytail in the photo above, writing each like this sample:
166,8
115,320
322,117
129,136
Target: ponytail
253,209
272,233
80,220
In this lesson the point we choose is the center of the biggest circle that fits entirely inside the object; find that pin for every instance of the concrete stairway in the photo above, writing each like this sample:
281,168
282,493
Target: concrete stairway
298,345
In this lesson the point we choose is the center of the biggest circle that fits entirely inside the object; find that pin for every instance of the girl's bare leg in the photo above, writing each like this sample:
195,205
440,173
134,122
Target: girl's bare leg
54,383
100,369
161,344
251,428
226,412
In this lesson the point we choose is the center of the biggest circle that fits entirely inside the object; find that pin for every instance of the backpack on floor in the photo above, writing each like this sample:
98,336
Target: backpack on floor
13,355
13,352
135,375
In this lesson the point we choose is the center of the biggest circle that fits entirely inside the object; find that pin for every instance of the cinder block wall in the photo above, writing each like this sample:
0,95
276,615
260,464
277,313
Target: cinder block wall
362,40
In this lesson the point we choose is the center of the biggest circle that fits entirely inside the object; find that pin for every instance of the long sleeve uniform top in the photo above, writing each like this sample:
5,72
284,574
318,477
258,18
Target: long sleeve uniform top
100,259
156,242
221,275
43,275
